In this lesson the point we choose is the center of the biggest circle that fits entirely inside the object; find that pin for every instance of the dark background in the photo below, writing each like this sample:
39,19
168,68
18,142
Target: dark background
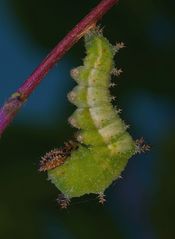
139,206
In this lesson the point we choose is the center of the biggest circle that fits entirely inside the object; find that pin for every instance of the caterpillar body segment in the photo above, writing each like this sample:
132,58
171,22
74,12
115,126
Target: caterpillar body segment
95,171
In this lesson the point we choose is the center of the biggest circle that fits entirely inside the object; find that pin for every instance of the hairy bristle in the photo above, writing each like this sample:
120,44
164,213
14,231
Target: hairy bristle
57,157
101,198
141,147
63,201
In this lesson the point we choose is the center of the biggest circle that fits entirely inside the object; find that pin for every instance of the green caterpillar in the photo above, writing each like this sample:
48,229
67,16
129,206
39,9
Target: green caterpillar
103,145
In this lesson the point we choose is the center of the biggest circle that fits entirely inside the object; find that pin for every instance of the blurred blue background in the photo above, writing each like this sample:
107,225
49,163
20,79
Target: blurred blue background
141,204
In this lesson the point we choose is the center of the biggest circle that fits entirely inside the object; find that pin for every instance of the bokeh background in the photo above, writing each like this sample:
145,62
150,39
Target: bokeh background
139,206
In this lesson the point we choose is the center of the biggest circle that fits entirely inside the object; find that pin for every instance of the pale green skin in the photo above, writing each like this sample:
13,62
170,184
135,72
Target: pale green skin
105,146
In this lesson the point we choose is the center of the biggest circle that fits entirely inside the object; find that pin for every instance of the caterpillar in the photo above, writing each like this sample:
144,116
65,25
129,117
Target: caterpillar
102,145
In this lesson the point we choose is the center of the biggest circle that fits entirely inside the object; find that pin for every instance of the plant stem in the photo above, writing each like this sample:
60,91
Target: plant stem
16,100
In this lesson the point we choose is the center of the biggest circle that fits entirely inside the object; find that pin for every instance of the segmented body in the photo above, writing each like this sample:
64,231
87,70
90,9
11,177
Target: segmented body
104,144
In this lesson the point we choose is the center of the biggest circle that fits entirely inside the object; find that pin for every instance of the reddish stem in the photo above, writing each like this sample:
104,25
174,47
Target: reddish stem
14,103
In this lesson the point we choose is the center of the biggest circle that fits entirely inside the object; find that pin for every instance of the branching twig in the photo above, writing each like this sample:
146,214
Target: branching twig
14,103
